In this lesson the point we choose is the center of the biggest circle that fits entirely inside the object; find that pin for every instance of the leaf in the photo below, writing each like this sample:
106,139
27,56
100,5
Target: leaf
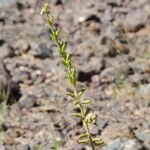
88,110
98,141
71,94
49,21
91,119
80,93
74,72
55,34
68,61
62,47
83,135
79,115
83,141
87,101
64,62
71,78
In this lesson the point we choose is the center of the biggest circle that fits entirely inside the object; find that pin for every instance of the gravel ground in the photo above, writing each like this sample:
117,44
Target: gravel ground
110,43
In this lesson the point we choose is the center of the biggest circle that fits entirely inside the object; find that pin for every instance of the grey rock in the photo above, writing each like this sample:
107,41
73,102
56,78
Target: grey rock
6,3
27,101
108,75
20,76
42,51
122,144
91,68
114,145
18,19
102,123
21,46
6,51
143,136
135,20
22,147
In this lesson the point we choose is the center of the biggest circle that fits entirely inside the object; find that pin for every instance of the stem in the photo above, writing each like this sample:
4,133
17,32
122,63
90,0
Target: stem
86,126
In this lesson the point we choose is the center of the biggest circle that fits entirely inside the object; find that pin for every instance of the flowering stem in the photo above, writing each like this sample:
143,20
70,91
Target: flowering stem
85,138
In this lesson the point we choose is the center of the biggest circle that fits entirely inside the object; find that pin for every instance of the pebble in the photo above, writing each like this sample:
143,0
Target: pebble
27,101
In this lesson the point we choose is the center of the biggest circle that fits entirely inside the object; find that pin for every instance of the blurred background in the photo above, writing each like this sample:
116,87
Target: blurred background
110,44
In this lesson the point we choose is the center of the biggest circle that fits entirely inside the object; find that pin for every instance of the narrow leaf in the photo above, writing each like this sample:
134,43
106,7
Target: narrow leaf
87,101
83,141
71,94
49,21
88,110
98,141
79,115
64,62
83,135
80,93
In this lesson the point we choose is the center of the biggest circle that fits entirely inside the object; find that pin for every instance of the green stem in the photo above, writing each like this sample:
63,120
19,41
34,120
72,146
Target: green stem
86,126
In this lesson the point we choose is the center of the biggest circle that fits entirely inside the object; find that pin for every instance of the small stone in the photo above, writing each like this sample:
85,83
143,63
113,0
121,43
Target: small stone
27,101
6,3
20,76
144,136
22,46
42,51
18,19
135,20
5,125
108,75
6,51
122,144
22,147
102,123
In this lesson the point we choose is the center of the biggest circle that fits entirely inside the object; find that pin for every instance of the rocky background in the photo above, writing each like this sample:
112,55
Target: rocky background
110,43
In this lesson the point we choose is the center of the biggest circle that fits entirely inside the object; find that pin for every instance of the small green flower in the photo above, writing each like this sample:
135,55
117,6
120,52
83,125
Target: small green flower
45,9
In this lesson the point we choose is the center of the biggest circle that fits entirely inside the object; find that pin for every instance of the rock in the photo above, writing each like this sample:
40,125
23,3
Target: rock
93,67
122,144
42,51
115,3
21,6
22,147
20,76
18,19
21,47
27,101
144,136
115,131
135,20
102,123
6,3
6,51
108,75
144,92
